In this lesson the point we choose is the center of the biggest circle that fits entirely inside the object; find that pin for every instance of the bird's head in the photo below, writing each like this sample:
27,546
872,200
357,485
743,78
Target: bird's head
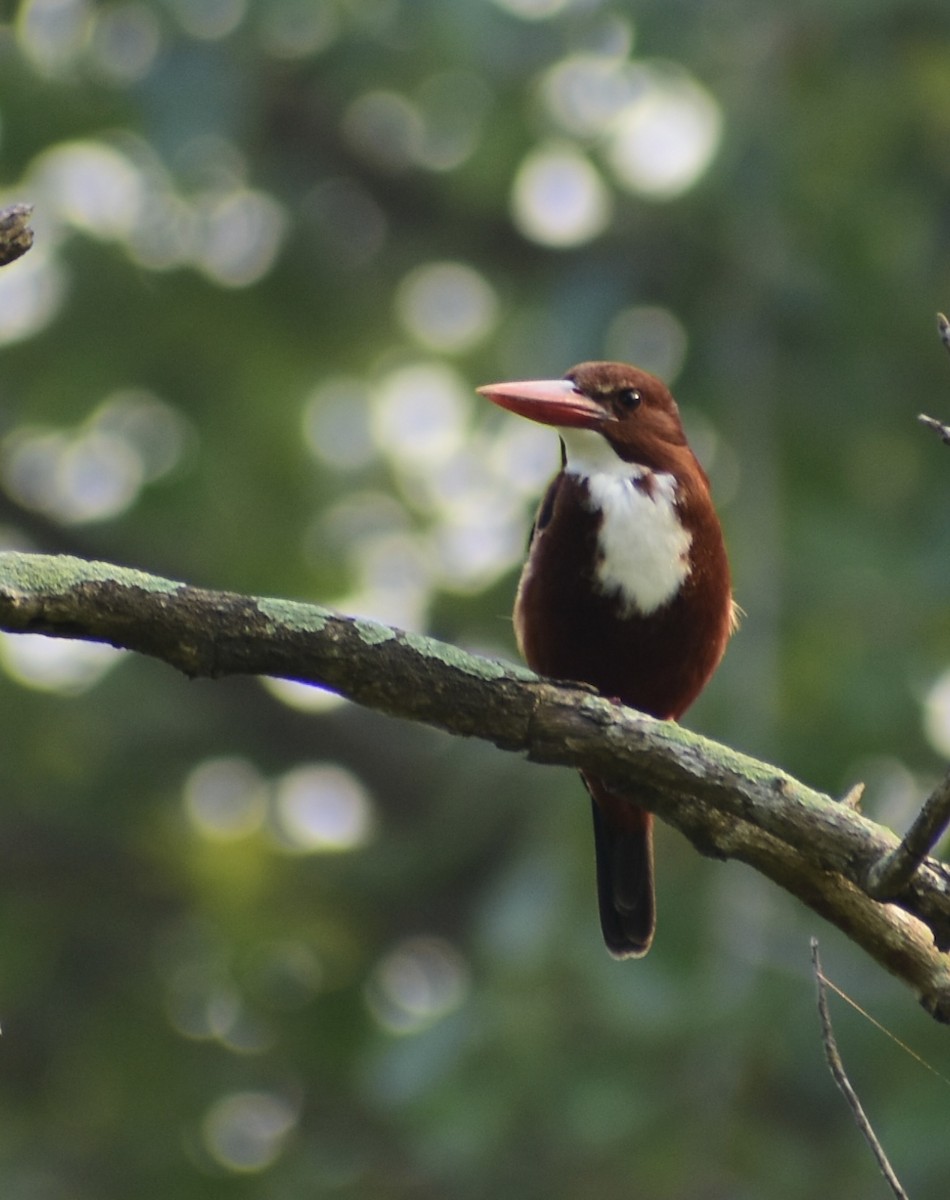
607,414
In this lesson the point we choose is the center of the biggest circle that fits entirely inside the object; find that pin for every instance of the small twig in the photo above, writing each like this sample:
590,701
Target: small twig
853,797
943,328
887,877
844,1085
941,430
16,236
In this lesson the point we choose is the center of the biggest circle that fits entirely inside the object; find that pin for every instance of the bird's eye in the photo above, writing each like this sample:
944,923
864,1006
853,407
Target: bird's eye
629,398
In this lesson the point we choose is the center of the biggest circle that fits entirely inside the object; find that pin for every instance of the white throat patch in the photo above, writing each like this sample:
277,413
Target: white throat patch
643,544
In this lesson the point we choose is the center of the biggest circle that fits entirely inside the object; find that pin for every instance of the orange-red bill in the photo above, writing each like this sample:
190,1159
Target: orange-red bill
549,401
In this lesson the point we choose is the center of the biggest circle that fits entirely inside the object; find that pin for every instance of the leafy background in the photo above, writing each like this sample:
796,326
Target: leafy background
257,943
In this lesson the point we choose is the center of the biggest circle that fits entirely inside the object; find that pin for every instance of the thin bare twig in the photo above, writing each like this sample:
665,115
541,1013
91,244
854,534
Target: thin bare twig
888,876
844,1084
943,328
939,428
16,236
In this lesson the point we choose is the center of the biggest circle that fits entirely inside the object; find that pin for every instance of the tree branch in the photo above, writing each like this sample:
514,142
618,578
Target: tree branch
727,804
16,236
928,827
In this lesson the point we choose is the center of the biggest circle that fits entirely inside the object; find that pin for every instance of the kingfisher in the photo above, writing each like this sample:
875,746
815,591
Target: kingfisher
626,587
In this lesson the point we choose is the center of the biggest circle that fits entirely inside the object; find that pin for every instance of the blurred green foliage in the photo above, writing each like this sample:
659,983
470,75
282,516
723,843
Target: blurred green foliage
249,947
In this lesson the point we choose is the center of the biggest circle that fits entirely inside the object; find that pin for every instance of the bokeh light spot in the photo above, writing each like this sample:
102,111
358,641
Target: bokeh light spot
664,140
303,697
240,236
420,981
559,199
97,476
52,33
389,562
89,476
246,1131
937,714
91,186
225,799
55,665
323,808
166,231
892,791
533,10
126,42
336,423
154,430
584,92
479,527
525,456
420,413
476,545
95,472
395,580
447,306
31,293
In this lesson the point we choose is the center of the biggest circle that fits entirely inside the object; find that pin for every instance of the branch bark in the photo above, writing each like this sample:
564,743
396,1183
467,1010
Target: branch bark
928,827
728,804
16,236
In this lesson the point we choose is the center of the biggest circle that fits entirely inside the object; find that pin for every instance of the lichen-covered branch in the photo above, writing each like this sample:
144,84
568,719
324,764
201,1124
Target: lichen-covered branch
728,804
16,236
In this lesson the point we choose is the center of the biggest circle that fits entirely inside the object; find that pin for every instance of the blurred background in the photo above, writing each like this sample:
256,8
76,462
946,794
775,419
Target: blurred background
255,942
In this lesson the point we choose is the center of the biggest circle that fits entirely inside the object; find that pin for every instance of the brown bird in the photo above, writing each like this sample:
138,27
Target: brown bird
626,587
